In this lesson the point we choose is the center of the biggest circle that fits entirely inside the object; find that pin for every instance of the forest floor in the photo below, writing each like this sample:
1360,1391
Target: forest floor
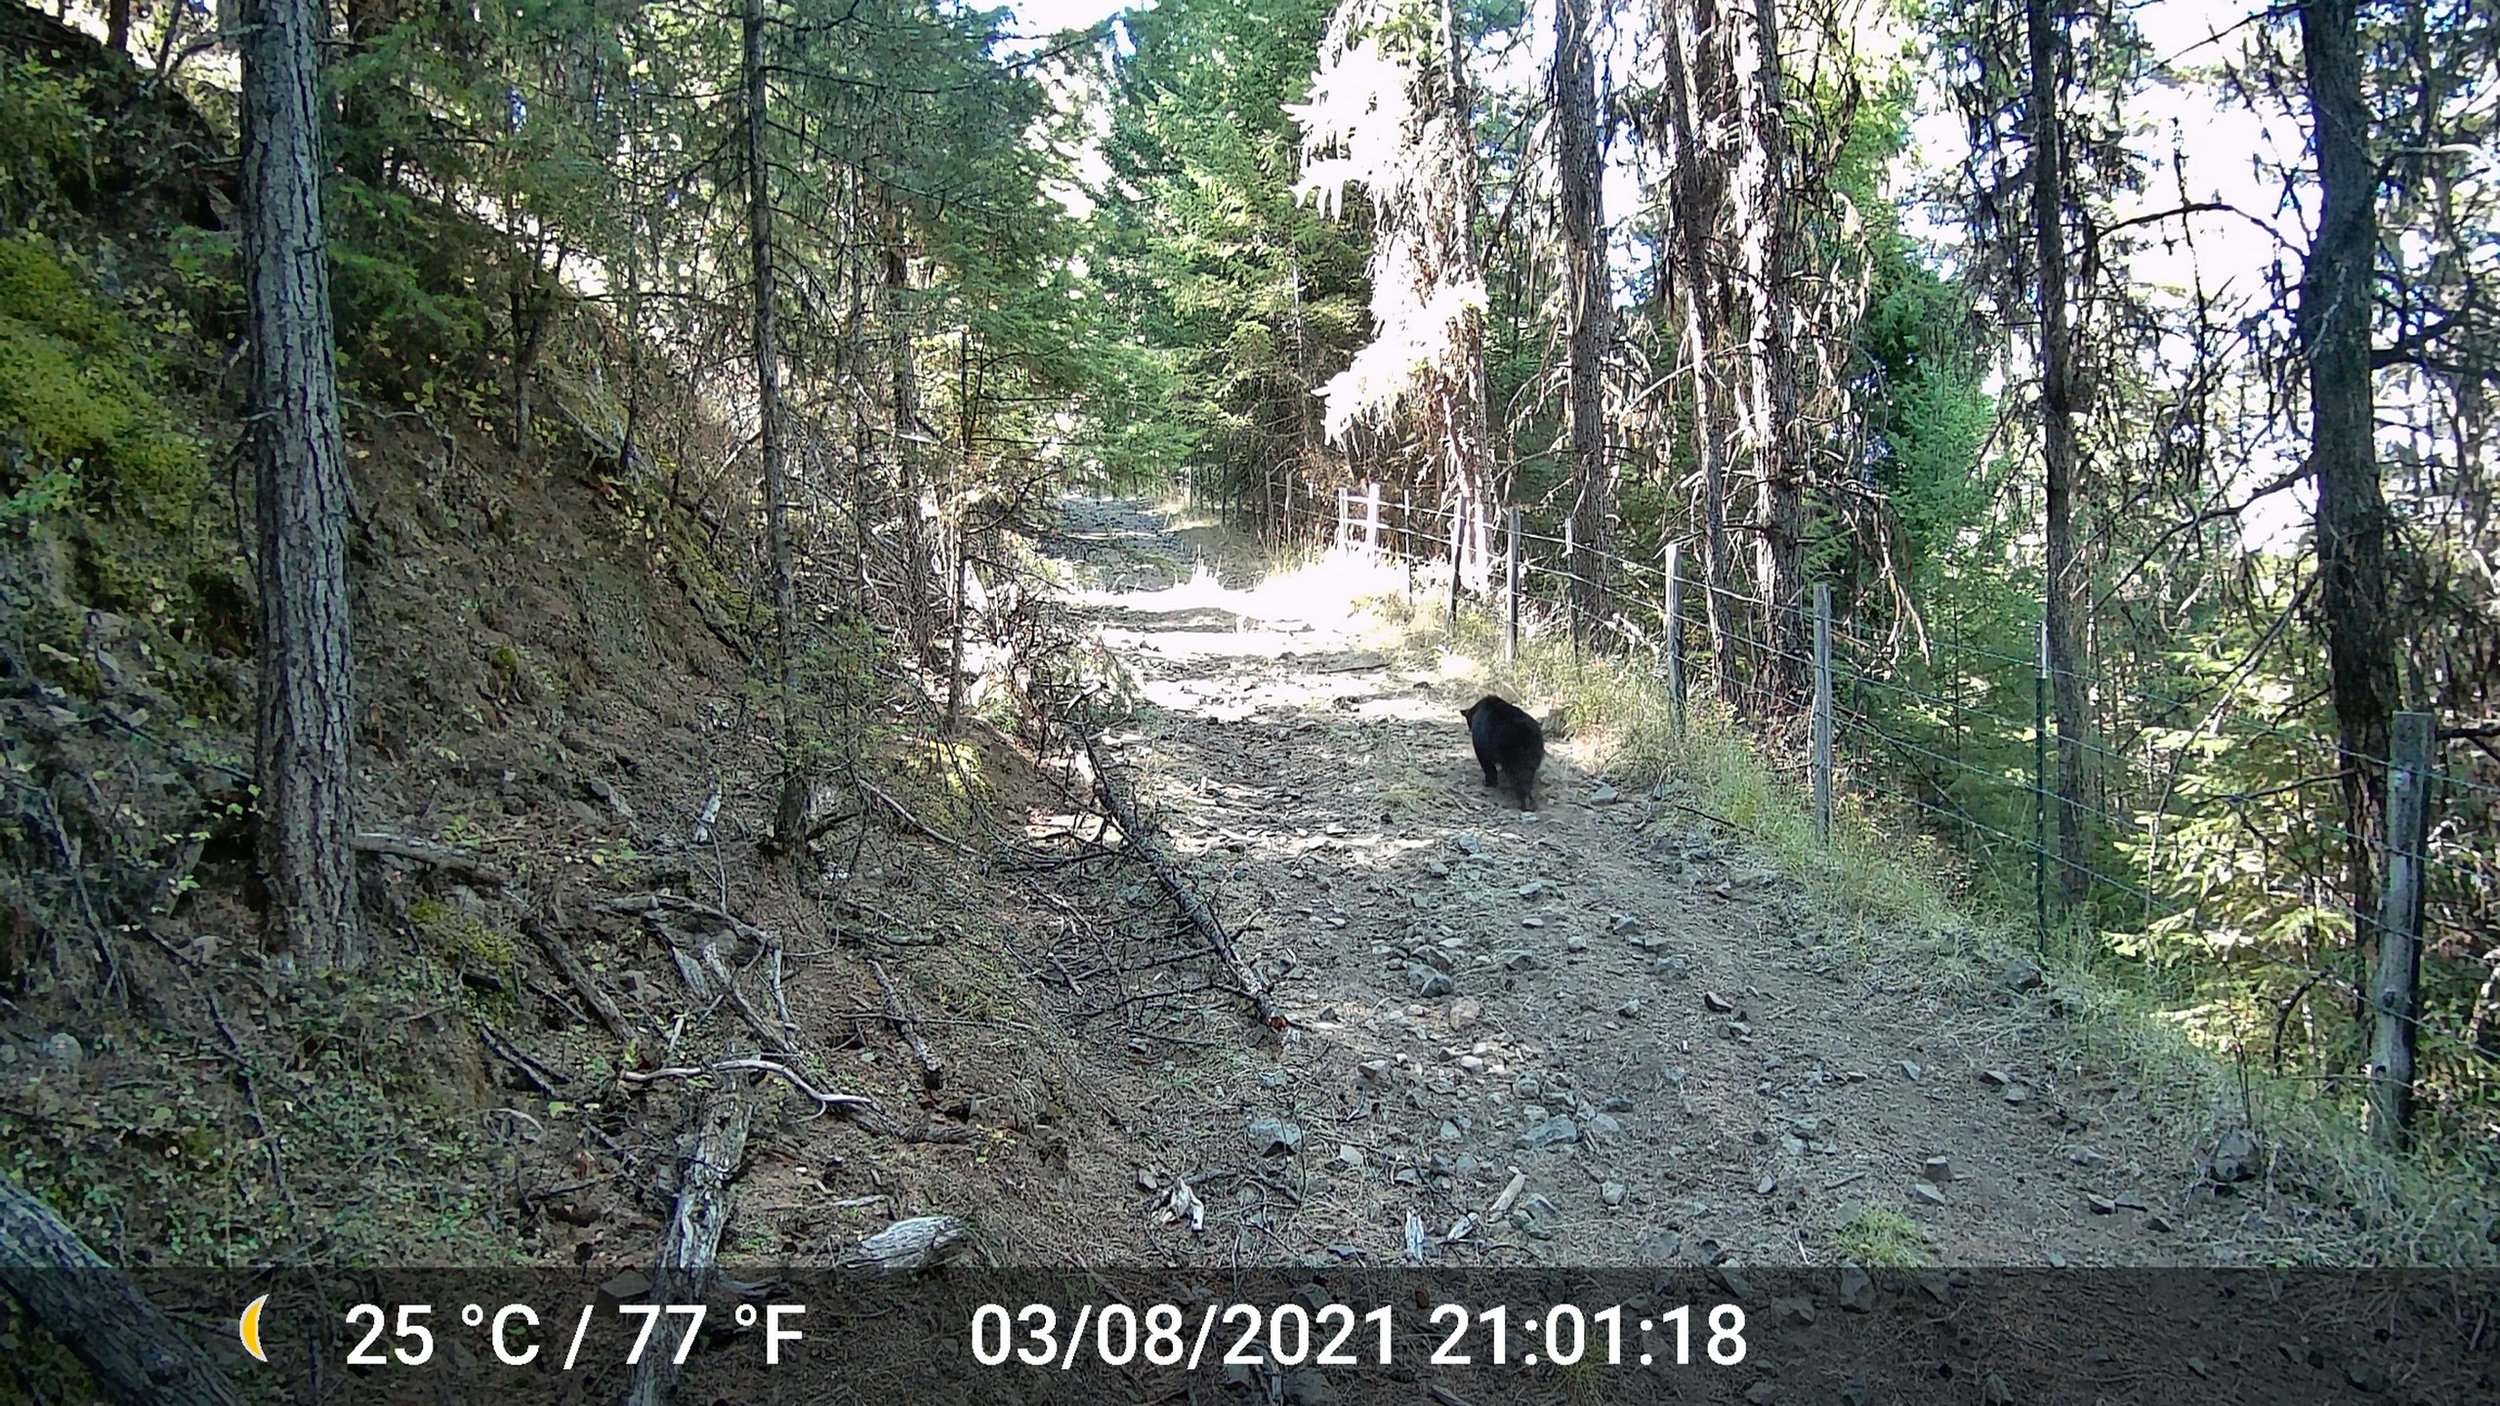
1598,1033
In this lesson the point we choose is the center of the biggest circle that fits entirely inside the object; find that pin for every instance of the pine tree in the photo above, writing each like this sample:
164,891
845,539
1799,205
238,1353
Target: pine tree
306,730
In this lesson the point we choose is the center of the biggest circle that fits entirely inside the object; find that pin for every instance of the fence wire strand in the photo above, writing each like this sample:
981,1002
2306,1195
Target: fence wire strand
2155,773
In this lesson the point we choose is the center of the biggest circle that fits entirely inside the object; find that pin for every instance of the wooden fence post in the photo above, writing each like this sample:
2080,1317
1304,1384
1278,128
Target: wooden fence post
1371,519
1510,637
1823,711
1572,567
2394,1001
2040,786
1345,528
1675,632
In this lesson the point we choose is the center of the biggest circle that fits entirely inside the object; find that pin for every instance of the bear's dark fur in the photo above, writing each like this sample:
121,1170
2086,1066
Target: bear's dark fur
1508,742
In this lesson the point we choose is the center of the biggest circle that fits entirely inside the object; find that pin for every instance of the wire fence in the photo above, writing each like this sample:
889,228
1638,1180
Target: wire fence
2206,836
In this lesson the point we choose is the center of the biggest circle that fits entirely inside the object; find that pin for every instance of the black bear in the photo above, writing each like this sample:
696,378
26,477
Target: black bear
1507,740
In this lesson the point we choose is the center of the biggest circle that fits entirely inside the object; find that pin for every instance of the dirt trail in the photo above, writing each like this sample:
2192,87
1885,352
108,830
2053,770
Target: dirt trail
1683,1057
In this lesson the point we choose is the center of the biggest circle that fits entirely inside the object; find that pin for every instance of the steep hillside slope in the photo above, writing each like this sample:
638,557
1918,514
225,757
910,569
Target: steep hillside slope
563,753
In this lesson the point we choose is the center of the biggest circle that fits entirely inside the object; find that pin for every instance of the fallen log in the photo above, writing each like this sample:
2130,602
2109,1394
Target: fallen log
909,1244
647,903
578,977
1140,842
427,852
932,1068
782,1072
131,1349
690,1244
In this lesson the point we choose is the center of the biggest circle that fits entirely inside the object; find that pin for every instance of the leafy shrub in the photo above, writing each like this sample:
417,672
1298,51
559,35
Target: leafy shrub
48,154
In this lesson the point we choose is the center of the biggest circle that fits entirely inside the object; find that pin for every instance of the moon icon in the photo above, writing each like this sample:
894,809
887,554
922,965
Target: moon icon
249,1328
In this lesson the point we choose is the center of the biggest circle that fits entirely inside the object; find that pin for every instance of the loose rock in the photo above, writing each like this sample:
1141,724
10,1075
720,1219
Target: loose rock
1553,1132
1857,1290
2366,1377
2235,1157
1270,1137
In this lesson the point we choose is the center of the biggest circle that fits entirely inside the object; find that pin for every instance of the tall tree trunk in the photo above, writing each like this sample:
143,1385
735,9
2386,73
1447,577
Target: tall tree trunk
306,733
919,579
1771,405
117,25
2334,322
1693,80
790,815
1463,394
2057,437
970,373
1586,303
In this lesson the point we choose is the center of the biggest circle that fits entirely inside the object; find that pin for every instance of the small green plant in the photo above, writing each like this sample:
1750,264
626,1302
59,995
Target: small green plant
1881,1237
465,943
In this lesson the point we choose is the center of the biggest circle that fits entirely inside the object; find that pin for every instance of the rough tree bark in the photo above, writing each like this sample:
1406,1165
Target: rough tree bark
790,814
2057,436
1694,80
1586,304
136,1355
1764,240
689,1258
306,737
2334,325
1461,394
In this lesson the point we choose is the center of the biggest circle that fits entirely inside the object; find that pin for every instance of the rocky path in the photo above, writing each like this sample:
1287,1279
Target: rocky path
1601,1033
